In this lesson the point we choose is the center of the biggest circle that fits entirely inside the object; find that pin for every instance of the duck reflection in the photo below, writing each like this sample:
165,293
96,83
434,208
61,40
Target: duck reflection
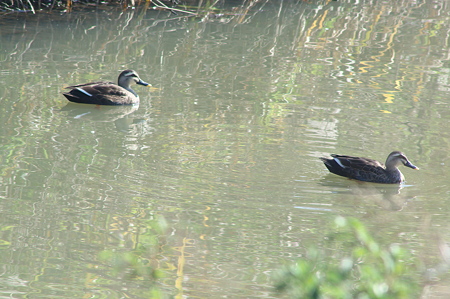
119,115
387,196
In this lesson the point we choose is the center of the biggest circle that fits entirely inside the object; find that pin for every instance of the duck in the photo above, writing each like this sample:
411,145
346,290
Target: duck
368,170
107,93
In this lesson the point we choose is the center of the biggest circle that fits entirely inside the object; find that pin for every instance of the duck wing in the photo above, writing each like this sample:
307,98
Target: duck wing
89,84
357,162
358,168
100,93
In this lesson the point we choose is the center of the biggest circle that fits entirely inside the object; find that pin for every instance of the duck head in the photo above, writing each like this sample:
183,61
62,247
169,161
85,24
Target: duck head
396,158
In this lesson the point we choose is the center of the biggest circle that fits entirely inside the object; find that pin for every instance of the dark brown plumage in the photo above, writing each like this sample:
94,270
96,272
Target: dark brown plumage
368,170
107,93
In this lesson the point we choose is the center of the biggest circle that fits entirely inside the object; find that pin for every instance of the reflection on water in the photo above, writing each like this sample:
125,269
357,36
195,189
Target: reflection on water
387,196
226,149
119,115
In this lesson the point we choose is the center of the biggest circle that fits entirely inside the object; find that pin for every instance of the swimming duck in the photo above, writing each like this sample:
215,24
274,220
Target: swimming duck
107,93
369,170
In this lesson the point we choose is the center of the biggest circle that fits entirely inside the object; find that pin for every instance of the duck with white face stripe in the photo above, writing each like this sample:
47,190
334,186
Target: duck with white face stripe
368,170
107,93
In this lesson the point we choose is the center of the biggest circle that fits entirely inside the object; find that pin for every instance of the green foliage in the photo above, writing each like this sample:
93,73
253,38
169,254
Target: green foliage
367,271
138,263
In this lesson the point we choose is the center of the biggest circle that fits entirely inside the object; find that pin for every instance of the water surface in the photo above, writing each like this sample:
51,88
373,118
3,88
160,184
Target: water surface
224,148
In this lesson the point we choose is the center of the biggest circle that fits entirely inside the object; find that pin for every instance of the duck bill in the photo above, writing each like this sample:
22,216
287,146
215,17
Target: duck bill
408,164
140,82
